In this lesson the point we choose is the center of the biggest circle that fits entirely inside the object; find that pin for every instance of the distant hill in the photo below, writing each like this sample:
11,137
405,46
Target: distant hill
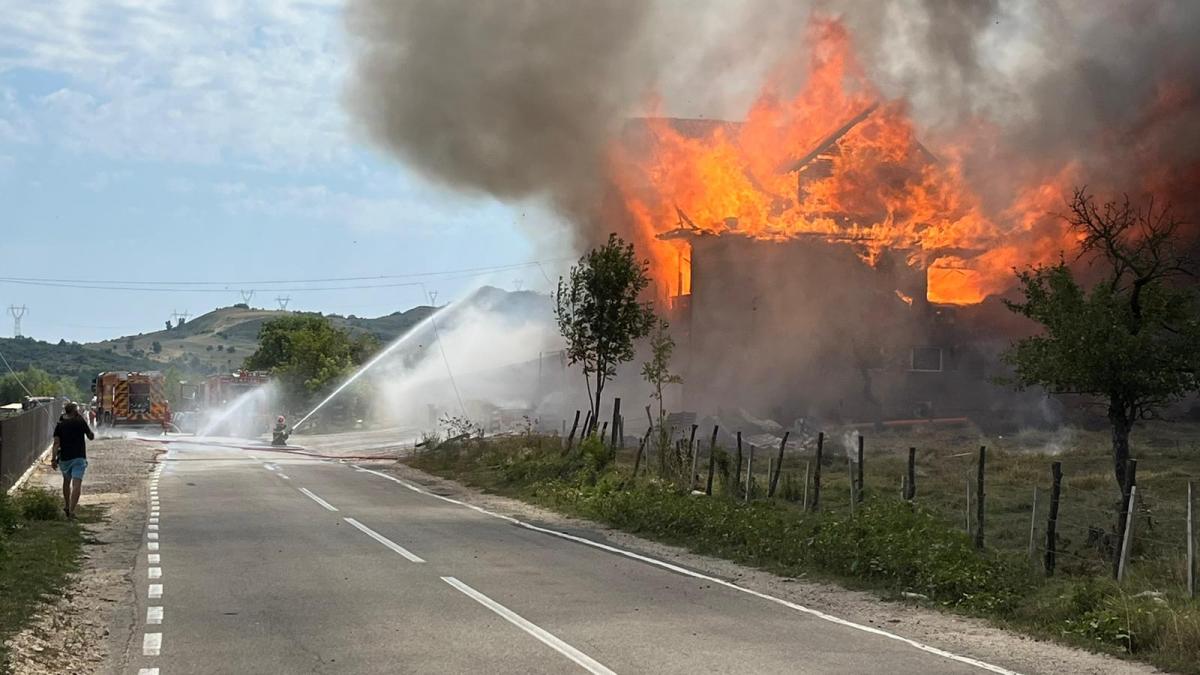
69,359
220,340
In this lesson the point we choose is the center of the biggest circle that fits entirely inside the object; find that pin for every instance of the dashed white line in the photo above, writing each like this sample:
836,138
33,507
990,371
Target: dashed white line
147,671
284,476
318,500
153,527
154,572
714,580
384,540
153,558
156,591
153,536
153,546
153,520
152,644
587,662
154,615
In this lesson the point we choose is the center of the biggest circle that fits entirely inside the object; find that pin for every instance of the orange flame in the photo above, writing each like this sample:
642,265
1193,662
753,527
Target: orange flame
837,161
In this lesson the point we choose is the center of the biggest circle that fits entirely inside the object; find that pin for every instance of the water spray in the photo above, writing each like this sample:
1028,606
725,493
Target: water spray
402,340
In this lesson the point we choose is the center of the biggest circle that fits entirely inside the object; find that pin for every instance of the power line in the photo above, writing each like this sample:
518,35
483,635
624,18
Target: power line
268,282
283,302
15,376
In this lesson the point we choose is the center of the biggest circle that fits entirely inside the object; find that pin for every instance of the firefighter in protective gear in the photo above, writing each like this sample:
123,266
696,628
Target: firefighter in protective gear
279,437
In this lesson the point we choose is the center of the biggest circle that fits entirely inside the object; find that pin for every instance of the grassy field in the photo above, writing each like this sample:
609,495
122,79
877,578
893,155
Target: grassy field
893,547
38,549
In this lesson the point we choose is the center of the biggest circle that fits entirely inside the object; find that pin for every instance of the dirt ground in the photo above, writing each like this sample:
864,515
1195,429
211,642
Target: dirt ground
957,634
95,617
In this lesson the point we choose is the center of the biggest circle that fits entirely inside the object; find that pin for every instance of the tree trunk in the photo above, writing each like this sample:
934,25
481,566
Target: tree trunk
596,404
1121,426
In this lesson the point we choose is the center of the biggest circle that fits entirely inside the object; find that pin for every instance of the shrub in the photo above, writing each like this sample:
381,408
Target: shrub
37,504
10,515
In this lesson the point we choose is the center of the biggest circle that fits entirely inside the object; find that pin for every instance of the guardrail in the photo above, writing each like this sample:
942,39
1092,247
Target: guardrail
23,439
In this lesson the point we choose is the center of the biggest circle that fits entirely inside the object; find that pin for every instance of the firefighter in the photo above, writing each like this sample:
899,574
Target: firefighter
280,435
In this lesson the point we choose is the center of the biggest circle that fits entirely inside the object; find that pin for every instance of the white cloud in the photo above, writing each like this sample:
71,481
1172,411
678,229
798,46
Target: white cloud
246,81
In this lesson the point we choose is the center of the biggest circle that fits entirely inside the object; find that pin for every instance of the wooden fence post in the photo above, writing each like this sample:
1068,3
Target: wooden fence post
1191,543
637,460
778,465
967,510
712,456
571,438
1123,516
1052,521
749,471
616,423
694,456
861,487
1127,538
910,487
603,432
979,497
853,487
587,422
1033,525
804,504
737,474
816,500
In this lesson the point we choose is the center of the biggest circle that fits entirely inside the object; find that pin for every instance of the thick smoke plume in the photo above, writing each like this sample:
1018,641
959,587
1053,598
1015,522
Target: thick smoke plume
524,99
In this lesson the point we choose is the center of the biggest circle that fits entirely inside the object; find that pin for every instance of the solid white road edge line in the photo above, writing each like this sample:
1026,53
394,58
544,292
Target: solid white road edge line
317,499
384,540
154,615
697,575
587,662
152,644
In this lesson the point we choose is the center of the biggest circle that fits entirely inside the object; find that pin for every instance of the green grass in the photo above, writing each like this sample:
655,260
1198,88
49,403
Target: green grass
891,546
36,555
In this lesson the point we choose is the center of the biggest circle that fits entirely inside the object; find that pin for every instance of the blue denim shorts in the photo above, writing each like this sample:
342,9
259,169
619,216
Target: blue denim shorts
73,468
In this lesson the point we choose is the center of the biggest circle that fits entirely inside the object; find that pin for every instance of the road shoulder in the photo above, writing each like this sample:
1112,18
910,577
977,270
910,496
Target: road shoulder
958,634
89,627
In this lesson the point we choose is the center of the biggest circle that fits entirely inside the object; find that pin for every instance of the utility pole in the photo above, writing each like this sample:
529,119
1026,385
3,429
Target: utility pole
247,295
17,313
283,302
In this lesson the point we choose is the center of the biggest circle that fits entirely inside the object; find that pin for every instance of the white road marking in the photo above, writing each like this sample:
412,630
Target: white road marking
270,467
154,572
384,540
153,520
147,671
154,513
154,615
153,527
152,644
156,591
721,582
153,558
153,546
152,535
587,662
318,500
284,476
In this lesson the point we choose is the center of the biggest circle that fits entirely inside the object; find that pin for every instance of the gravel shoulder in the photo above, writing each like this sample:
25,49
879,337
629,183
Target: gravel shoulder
88,629
962,635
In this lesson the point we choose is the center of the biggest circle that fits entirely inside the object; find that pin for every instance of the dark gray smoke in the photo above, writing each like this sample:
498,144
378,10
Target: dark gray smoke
522,98
513,99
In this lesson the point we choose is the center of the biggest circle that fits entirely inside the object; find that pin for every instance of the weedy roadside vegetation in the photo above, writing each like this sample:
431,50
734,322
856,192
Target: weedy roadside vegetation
895,547
38,549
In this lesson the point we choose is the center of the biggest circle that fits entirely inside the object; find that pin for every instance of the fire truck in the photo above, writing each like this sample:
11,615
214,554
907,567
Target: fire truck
228,408
131,399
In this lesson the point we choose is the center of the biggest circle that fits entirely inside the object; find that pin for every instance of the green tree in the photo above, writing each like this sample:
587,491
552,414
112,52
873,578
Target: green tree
1132,339
39,383
657,371
306,353
600,315
156,347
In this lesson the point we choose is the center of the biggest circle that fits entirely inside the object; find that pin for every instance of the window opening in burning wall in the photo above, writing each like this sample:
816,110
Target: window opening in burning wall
927,359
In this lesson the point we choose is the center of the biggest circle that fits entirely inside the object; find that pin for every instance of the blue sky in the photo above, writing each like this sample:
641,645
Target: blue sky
173,140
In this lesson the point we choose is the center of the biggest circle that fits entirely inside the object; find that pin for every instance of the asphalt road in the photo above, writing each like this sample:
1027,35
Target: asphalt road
256,562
